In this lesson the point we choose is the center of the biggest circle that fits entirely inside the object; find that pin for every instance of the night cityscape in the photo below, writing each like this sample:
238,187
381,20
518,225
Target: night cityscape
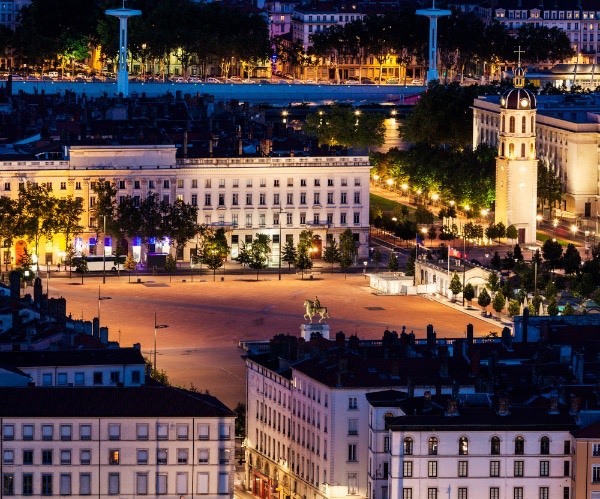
300,250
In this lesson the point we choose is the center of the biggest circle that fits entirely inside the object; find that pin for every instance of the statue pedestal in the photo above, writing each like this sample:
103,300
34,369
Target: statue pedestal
307,329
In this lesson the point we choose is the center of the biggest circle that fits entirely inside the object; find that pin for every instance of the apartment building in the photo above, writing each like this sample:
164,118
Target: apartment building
119,441
245,196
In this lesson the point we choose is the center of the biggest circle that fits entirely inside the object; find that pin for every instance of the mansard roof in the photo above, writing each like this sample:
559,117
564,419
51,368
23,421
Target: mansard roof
104,356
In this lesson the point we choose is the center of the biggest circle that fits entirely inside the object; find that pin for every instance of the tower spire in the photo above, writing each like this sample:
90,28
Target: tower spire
519,79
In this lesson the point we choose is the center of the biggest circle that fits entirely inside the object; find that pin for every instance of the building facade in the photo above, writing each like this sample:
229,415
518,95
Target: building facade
279,197
115,441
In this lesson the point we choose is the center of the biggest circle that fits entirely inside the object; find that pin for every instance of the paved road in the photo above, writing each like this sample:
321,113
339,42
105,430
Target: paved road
207,319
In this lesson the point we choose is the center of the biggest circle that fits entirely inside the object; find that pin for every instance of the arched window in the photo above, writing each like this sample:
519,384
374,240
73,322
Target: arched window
463,446
519,446
523,124
502,149
432,446
522,150
544,445
532,125
504,123
495,446
531,150
511,124
511,150
408,446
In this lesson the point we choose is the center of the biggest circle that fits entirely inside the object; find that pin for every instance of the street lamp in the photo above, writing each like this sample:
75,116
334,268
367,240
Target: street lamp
157,326
389,182
104,253
574,230
404,188
281,212
101,298
555,224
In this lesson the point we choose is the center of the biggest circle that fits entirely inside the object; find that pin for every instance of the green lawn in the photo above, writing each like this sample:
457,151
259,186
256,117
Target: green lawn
385,204
540,236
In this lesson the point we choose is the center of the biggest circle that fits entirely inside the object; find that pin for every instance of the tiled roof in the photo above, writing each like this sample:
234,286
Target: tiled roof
84,402
114,356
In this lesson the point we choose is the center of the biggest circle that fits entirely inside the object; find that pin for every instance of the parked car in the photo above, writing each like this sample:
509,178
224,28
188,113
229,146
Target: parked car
367,81
392,81
194,79
417,81
212,79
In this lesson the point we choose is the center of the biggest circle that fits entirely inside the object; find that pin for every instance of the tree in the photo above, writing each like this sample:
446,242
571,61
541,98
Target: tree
517,253
469,292
568,310
289,254
68,216
496,261
484,299
549,185
514,308
544,44
259,253
552,307
170,265
393,262
376,257
511,232
499,302
36,216
455,286
431,234
493,282
571,260
347,249
8,214
215,250
423,215
129,265
332,252
180,223
303,261
244,258
552,252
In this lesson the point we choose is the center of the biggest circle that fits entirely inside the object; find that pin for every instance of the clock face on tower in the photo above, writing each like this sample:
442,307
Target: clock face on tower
524,103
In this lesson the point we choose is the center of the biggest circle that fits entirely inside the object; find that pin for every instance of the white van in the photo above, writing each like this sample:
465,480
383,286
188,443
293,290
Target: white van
53,74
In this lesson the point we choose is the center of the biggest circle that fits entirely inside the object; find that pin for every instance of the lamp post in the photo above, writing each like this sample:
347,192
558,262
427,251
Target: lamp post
464,259
281,212
157,326
555,224
101,298
104,252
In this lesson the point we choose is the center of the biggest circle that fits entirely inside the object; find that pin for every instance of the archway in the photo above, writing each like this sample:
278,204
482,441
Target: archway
20,252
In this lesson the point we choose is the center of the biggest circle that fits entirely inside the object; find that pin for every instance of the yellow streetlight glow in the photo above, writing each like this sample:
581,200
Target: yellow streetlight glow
404,187
555,222
375,177
539,217
451,203
484,212
574,229
435,197
467,207
389,182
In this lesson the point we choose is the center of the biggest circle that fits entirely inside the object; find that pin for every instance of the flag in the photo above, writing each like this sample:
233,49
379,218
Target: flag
453,252
420,242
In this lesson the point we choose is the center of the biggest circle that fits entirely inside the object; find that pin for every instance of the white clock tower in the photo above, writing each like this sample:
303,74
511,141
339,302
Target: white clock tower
516,164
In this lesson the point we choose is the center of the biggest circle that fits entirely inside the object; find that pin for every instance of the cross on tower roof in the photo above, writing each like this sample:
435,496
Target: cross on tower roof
519,52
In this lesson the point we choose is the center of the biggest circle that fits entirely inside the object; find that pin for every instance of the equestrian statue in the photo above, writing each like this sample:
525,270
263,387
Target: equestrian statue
313,308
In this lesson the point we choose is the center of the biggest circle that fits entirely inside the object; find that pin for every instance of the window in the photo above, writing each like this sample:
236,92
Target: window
141,483
495,446
8,456
330,198
207,200
276,182
566,468
223,483
386,444
518,493
407,493
142,431
161,456
432,445
182,432
79,379
47,456
317,198
203,456
114,432
519,446
303,198
85,456
113,484
65,456
136,376
567,447
463,446
27,484
432,469
85,432
161,483
202,483
302,182
351,452
85,484
8,432
357,198
182,456
432,493
407,469
544,493
248,199
47,432
343,198
98,378
544,445
77,186
519,468
28,457
463,468
65,484
494,492
46,484
66,432
223,456
113,456
151,184
566,493
544,468
8,484
353,427
27,432
408,446
235,199
224,432
352,403
494,468
462,493
162,431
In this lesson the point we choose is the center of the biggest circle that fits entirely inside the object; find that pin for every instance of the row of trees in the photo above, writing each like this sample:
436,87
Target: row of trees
198,33
464,41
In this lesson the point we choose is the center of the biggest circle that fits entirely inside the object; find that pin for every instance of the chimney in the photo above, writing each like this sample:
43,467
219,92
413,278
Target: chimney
451,408
506,338
574,405
475,362
96,327
340,340
457,347
503,406
431,339
185,143
469,335
553,405
427,401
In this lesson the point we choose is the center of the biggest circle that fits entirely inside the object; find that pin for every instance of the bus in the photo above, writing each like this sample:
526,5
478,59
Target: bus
97,263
